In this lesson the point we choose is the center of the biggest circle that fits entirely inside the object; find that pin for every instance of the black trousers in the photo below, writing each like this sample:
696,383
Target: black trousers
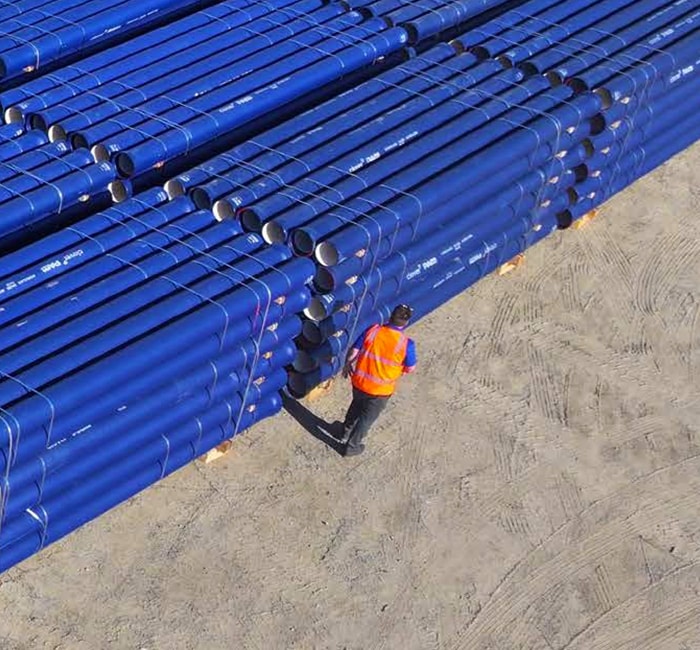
362,414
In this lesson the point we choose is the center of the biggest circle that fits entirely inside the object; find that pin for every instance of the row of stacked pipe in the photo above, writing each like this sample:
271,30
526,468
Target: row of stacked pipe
352,172
136,338
412,186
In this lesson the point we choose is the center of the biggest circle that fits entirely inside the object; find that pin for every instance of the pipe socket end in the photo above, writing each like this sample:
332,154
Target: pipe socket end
55,132
174,188
222,210
326,254
119,190
13,115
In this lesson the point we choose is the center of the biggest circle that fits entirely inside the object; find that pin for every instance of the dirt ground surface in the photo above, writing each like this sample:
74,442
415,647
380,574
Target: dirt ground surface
533,487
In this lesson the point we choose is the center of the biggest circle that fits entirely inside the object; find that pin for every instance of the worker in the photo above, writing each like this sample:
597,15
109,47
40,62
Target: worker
378,358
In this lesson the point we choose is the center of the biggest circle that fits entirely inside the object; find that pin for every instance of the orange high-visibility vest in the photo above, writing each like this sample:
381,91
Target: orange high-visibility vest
380,362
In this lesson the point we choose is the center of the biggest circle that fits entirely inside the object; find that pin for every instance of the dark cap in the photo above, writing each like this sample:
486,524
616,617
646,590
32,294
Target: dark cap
400,315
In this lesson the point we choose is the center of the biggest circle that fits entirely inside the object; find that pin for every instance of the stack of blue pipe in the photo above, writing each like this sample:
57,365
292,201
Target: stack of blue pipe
417,183
202,78
179,88
136,339
36,33
133,342
428,17
42,182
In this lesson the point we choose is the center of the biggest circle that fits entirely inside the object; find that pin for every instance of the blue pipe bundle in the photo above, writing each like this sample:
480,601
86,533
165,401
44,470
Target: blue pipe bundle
42,184
265,56
429,17
415,184
35,33
136,339
132,343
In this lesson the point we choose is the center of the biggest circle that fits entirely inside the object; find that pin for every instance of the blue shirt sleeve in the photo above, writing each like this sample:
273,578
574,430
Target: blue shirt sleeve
411,358
360,340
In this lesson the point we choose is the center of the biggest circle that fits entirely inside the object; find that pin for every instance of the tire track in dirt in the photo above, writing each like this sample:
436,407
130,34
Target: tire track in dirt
532,289
671,621
502,317
604,588
581,640
611,265
572,286
547,395
692,371
410,468
667,260
520,587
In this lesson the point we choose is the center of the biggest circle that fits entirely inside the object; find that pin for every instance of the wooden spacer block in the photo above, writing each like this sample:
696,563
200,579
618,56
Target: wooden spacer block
320,390
511,265
218,451
586,218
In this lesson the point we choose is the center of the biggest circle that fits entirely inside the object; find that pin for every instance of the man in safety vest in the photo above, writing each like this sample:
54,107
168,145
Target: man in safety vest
380,355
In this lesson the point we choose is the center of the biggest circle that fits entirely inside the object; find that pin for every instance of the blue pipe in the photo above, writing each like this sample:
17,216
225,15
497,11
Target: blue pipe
527,148
401,81
110,488
179,41
165,105
328,142
182,77
87,453
473,126
270,95
125,293
530,25
202,332
61,251
72,30
158,301
388,135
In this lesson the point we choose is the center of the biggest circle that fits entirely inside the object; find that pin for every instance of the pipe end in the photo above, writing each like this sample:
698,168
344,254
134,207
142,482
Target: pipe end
528,69
297,385
303,243
304,362
13,115
505,62
222,211
312,333
326,254
174,188
606,98
564,219
125,165
201,199
324,280
56,133
316,311
251,221
119,190
273,233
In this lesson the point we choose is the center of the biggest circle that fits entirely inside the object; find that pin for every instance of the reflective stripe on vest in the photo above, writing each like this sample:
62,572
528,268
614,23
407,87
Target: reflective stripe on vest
381,361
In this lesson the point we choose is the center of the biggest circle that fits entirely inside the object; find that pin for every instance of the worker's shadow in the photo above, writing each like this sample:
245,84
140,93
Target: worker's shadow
328,433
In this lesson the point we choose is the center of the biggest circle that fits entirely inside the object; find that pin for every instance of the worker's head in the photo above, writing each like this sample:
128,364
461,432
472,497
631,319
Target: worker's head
401,315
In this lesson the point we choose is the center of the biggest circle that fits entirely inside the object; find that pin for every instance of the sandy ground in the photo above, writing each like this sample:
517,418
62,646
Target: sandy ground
533,487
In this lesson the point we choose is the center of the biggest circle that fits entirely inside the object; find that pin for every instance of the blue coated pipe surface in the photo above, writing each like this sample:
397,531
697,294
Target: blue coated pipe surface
33,39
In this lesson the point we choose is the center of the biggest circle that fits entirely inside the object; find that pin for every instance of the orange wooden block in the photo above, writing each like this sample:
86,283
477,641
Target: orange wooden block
586,218
511,265
218,451
320,390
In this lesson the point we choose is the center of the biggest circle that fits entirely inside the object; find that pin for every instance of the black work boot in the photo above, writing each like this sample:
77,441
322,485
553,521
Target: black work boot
353,451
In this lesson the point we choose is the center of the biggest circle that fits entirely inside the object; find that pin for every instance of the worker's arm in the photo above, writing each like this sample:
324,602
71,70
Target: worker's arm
352,355
350,361
411,360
